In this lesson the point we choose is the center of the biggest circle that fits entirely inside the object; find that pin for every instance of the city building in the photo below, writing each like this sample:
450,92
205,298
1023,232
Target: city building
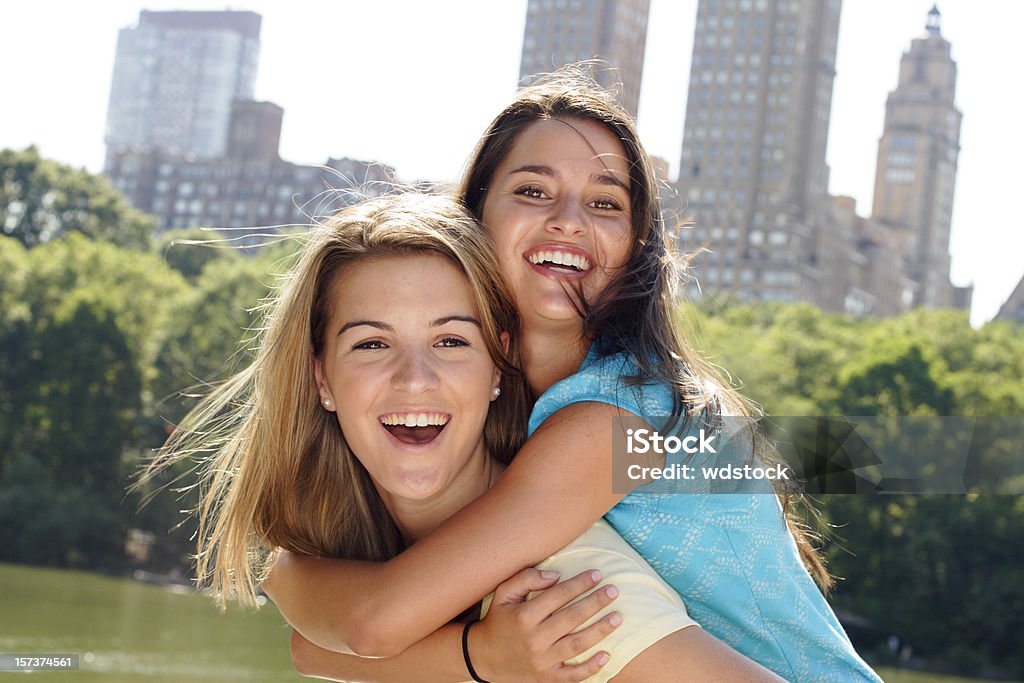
561,32
250,186
1012,309
917,163
752,167
754,175
176,74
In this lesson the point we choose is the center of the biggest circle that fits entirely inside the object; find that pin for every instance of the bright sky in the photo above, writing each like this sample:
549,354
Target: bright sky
413,83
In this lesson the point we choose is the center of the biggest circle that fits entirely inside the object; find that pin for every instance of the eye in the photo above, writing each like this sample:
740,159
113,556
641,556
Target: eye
451,343
369,345
606,204
531,191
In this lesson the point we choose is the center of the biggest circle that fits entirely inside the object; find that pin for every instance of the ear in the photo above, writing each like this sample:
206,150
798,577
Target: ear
321,384
505,341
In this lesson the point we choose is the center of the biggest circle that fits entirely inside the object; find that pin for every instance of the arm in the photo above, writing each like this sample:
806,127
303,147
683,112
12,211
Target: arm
442,649
555,488
693,654
438,657
689,653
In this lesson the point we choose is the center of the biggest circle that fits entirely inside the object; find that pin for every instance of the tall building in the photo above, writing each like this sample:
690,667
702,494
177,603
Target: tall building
560,32
917,161
175,76
1012,309
248,187
753,167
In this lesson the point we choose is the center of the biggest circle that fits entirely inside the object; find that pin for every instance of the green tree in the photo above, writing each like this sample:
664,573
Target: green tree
77,395
190,250
15,330
209,332
41,199
80,322
87,397
895,377
138,288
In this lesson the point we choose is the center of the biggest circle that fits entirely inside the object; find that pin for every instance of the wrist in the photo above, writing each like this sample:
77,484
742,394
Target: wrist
471,666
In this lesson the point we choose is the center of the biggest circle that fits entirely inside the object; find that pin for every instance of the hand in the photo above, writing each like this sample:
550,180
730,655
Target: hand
529,640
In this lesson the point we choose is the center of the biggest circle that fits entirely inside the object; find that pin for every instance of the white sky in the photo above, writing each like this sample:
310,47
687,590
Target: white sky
413,83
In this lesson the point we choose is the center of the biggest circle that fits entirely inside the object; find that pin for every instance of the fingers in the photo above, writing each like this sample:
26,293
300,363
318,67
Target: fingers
515,589
574,644
567,621
561,594
584,670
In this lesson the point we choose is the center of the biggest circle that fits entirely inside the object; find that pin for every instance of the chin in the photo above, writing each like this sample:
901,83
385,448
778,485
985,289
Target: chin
419,485
552,309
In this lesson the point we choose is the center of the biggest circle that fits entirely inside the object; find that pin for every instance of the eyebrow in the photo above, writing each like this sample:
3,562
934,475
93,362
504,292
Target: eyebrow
388,328
599,178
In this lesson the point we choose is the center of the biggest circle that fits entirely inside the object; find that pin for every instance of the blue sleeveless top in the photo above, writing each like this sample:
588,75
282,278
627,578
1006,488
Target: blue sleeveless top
729,555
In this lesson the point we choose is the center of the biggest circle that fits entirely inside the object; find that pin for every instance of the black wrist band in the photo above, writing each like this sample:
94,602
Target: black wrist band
465,651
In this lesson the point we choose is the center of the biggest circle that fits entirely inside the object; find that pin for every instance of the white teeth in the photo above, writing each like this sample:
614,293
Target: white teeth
560,258
414,419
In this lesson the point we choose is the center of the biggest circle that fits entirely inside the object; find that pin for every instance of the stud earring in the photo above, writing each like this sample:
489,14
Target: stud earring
495,393
327,403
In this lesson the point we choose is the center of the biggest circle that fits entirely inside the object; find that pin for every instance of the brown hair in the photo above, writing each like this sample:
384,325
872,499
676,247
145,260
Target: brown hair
636,313
280,474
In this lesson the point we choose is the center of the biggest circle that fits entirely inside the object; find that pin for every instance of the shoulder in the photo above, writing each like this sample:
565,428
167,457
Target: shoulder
608,379
651,609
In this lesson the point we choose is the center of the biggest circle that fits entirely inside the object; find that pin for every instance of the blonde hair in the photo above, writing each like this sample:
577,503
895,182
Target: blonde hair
276,471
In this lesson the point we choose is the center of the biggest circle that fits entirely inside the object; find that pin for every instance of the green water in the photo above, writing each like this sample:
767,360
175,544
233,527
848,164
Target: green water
125,631
903,676
128,631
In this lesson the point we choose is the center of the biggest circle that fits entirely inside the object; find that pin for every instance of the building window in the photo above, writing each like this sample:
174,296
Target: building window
899,175
901,159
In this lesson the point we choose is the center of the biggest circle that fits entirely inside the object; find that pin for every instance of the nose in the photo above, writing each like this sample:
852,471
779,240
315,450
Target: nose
567,217
414,372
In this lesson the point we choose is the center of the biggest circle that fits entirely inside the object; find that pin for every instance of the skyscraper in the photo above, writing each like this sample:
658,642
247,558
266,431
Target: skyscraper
753,165
917,161
560,32
175,77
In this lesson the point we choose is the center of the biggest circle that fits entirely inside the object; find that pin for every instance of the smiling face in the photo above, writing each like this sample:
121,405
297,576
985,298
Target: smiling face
406,368
558,211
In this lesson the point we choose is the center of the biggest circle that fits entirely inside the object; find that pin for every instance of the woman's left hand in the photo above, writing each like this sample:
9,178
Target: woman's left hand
530,640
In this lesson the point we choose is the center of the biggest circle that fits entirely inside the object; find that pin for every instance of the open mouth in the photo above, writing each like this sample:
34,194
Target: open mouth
415,428
560,261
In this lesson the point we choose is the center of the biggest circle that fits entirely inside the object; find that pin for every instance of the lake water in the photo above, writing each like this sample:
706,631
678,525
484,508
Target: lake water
125,630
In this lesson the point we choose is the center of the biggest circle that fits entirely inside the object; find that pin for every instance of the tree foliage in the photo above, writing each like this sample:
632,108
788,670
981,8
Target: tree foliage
190,250
41,200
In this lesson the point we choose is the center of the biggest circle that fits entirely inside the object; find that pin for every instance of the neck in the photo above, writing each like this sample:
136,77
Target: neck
417,518
551,356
